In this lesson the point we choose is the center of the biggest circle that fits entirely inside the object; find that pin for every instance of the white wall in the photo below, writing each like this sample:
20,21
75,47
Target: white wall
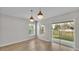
13,30
65,17
46,35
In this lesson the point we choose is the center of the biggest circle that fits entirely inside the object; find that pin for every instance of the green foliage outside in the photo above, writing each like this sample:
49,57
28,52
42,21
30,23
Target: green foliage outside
63,35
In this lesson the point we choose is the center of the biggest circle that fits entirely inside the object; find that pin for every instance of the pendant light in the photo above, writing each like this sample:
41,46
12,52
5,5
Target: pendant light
40,15
31,18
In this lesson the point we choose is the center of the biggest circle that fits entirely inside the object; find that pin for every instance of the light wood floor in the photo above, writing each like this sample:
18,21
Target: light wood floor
35,45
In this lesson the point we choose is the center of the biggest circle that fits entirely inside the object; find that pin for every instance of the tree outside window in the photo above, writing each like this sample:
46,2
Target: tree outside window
63,31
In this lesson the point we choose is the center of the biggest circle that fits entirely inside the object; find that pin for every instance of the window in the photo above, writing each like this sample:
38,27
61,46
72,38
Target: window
42,29
31,29
63,31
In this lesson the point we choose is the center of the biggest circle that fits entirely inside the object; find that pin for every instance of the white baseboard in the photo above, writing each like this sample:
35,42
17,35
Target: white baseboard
44,40
10,43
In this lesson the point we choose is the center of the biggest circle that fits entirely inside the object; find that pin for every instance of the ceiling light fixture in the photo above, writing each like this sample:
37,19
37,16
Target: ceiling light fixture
31,18
40,15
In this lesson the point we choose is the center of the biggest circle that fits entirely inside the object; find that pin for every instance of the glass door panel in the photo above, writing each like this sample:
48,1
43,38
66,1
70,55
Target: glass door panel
63,35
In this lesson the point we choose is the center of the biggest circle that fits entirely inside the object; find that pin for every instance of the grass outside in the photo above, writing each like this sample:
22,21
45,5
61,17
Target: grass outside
63,35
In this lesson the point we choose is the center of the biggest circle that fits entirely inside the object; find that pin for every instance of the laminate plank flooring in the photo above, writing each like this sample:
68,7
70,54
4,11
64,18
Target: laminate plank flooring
35,45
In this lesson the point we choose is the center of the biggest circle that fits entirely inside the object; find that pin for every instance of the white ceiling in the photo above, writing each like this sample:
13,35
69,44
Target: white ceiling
24,12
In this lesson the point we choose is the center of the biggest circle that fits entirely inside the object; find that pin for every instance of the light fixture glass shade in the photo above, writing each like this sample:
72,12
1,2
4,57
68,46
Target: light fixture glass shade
31,19
40,15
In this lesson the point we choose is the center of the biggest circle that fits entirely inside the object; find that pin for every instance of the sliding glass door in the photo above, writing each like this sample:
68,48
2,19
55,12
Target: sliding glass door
63,34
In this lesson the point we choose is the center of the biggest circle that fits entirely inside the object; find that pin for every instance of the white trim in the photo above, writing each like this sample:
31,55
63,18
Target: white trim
44,40
63,42
10,43
73,20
